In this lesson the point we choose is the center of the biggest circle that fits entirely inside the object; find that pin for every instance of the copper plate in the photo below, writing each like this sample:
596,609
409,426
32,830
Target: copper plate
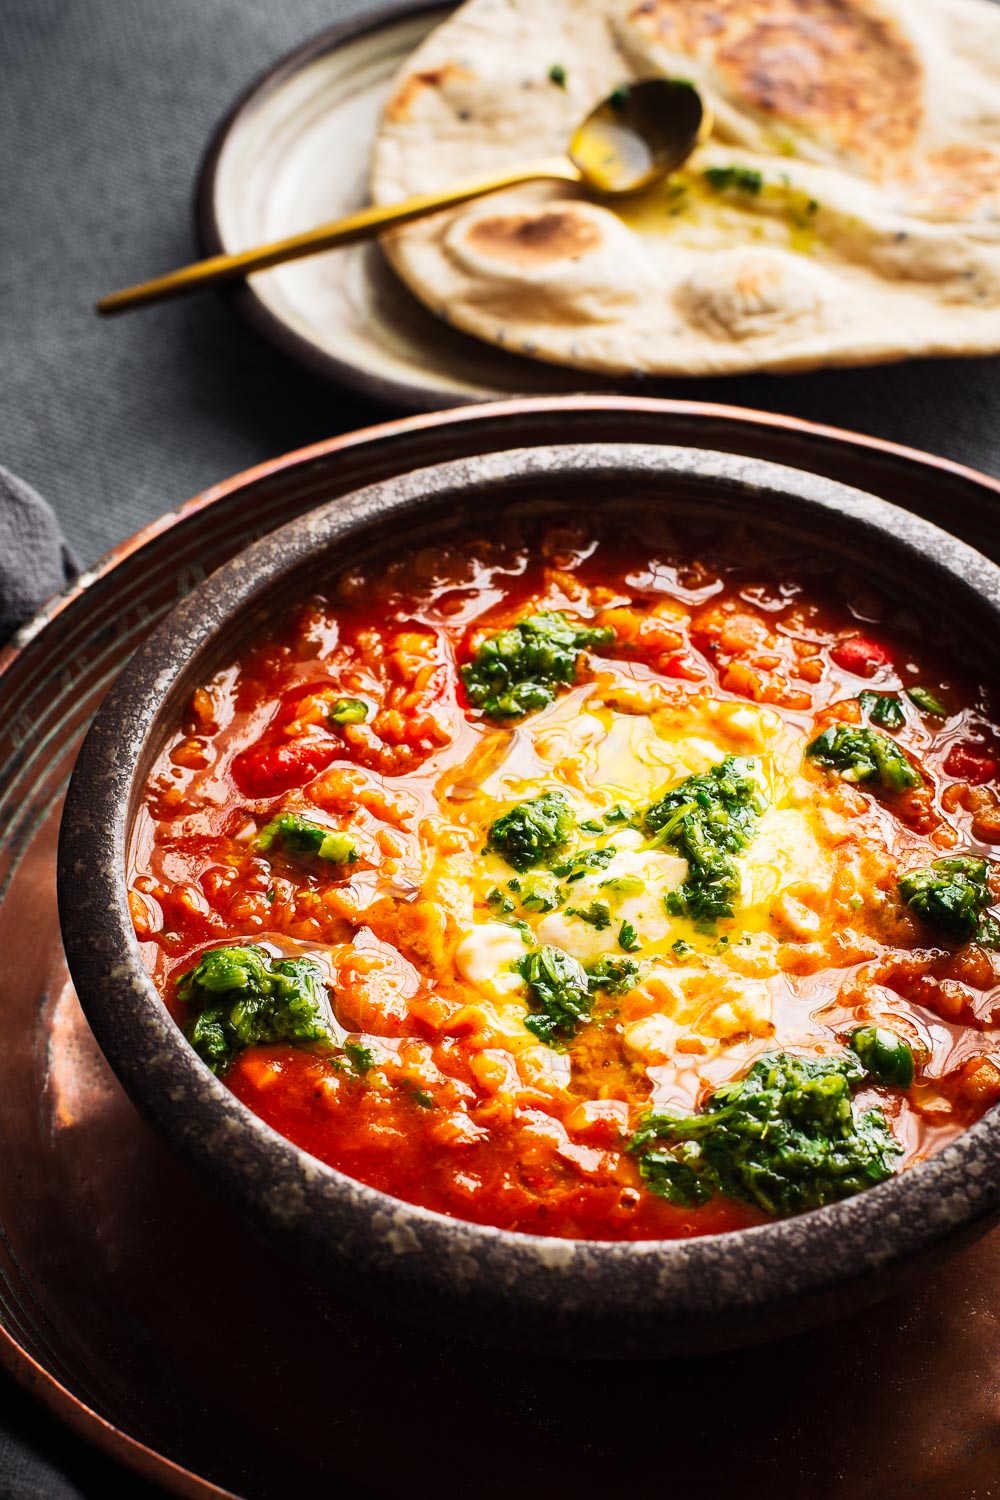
135,1306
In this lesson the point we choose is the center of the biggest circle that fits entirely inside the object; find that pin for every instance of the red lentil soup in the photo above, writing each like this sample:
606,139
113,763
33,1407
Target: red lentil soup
607,883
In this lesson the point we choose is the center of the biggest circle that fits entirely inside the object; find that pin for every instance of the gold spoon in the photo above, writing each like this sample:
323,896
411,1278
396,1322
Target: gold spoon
634,138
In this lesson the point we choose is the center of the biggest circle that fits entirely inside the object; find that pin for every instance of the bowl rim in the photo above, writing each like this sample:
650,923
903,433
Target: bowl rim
956,1190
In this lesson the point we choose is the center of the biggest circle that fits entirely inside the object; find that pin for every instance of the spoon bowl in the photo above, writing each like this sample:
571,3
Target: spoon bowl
639,134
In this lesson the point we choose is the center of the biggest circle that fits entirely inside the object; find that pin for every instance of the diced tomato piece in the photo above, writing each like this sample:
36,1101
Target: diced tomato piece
682,667
970,763
266,770
860,655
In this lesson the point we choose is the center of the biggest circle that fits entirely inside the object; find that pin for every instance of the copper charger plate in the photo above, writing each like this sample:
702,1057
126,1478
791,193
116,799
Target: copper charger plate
149,1319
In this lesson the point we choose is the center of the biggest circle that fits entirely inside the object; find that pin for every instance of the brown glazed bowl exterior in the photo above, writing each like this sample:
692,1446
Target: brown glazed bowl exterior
545,1295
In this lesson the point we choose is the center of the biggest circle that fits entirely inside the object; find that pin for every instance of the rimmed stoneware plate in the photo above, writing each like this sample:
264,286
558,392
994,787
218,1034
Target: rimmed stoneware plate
135,1306
295,152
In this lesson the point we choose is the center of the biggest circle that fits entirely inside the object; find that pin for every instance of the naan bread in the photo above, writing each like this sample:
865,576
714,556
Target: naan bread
851,211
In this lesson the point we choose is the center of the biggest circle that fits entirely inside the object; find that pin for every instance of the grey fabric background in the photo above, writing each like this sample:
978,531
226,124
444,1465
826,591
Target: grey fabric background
105,107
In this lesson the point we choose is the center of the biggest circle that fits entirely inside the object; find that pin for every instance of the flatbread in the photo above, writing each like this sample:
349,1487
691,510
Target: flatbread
851,212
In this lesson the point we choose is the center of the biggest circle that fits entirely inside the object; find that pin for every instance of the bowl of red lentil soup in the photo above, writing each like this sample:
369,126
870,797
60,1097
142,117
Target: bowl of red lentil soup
554,892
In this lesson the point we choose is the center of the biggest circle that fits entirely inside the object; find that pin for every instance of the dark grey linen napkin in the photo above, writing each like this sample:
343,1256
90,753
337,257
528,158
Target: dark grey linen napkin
42,1460
35,561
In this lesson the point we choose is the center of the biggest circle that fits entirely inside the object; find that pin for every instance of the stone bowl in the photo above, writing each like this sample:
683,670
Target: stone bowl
545,1295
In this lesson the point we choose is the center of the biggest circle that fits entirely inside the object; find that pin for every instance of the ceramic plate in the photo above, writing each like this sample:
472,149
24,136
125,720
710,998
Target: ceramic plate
294,153
135,1304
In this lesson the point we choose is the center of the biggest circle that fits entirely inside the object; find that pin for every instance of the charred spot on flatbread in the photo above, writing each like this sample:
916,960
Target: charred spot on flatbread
836,68
565,262
527,241
400,106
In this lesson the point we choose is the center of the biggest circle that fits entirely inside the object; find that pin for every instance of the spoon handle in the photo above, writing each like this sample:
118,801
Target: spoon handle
358,226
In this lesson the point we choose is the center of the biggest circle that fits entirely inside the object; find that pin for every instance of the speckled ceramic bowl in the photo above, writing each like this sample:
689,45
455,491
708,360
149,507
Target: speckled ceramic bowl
545,1295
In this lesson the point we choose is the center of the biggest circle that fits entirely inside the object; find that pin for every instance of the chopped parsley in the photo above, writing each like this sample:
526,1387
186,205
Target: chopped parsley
785,1136
739,179
628,938
707,819
624,885
499,903
864,756
576,866
888,1058
613,975
557,75
531,831
347,711
882,709
540,892
927,702
559,991
298,837
361,1058
519,669
598,914
240,997
951,895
